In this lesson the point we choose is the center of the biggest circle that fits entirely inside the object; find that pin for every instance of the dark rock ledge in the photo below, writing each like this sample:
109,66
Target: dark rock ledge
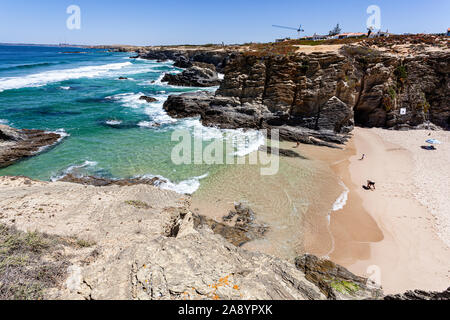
16,144
226,113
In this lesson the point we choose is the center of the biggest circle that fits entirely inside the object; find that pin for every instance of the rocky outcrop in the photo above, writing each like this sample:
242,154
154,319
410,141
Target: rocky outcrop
145,244
420,295
335,281
189,104
148,99
103,182
188,58
194,76
239,226
401,91
18,144
322,95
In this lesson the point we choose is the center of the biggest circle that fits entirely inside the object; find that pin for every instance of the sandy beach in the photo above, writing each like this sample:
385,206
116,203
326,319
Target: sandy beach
398,234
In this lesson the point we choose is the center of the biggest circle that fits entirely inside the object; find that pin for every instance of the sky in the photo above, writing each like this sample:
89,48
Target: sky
159,22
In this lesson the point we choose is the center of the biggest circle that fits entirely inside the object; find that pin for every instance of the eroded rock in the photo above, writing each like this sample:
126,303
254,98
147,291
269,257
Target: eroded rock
18,144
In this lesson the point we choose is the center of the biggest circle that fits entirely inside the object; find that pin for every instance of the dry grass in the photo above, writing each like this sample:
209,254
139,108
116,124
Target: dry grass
138,204
29,263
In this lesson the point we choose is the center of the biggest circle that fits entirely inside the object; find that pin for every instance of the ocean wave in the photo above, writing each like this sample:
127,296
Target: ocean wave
29,66
340,202
41,79
154,110
130,100
61,132
243,141
65,88
73,169
4,121
188,186
113,122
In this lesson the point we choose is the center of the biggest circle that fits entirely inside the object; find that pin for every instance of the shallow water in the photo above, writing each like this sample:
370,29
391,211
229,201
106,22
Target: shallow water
110,132
295,203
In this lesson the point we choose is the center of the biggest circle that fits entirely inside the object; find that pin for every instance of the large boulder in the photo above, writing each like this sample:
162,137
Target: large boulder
194,77
189,104
335,281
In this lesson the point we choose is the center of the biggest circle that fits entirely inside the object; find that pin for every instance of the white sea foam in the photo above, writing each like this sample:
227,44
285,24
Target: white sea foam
130,100
154,110
113,122
73,169
62,133
3,121
41,79
65,88
340,202
244,141
188,186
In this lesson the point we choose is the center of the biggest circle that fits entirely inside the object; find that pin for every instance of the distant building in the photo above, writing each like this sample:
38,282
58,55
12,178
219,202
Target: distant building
380,34
448,32
350,35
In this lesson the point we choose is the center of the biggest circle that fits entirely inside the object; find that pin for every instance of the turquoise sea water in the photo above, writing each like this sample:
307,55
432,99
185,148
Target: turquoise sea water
109,131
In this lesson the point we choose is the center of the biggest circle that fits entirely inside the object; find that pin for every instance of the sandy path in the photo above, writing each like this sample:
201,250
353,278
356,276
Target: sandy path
408,254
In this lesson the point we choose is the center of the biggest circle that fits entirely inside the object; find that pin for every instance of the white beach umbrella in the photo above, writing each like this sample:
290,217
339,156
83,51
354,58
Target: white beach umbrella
433,141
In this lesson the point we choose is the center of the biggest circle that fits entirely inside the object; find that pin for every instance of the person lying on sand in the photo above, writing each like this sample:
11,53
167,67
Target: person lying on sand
363,157
370,184
298,145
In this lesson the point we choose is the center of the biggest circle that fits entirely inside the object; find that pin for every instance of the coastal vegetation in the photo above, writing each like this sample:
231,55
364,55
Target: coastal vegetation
29,263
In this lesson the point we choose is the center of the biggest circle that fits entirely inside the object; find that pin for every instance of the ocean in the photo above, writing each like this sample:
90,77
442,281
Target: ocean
108,131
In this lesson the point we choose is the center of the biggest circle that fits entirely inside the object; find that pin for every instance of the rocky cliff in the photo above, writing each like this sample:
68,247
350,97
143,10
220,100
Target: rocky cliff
186,58
327,92
135,241
139,242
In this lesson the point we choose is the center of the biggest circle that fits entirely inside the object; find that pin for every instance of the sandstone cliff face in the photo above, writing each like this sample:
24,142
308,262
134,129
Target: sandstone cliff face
373,84
418,84
321,94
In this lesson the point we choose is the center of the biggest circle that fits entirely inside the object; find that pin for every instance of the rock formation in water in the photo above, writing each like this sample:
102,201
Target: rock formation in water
194,76
18,144
148,99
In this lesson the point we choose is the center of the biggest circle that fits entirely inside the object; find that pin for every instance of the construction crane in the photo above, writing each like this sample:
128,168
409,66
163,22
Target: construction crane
299,30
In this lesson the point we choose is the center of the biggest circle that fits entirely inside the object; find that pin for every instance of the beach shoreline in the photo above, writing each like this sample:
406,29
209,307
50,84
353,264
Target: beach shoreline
387,234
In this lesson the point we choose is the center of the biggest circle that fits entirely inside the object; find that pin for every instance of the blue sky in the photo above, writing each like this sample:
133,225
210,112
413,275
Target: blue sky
152,22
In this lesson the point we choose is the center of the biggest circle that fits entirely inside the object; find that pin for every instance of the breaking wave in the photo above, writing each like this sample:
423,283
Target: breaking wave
41,79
